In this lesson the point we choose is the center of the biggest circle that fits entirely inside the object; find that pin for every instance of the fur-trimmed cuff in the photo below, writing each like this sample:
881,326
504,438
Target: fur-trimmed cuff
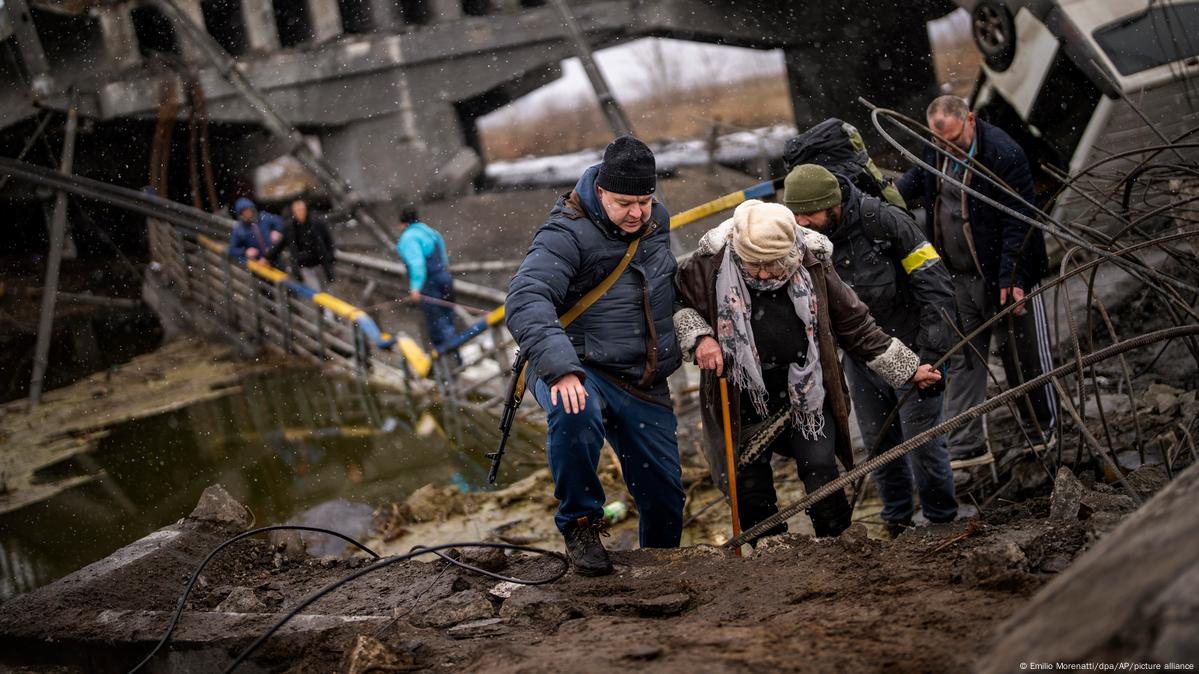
689,326
896,365
820,245
715,238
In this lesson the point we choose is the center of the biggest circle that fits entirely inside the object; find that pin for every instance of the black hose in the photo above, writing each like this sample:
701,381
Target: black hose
196,575
418,550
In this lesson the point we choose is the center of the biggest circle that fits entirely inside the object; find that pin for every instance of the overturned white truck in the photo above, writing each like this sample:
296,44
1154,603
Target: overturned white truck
1082,81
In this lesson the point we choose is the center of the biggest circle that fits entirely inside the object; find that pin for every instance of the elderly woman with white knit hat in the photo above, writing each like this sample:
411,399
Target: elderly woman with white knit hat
758,303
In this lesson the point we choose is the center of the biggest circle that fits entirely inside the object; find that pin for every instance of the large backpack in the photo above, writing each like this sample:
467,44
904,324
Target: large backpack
838,147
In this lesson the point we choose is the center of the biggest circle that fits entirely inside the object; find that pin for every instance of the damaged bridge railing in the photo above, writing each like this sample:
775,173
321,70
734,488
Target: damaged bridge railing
262,303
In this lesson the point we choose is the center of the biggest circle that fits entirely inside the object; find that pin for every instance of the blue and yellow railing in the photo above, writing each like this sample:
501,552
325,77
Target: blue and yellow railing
417,359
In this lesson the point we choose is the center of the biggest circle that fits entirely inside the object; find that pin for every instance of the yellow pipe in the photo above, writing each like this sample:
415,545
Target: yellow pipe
340,307
496,316
704,210
416,356
266,271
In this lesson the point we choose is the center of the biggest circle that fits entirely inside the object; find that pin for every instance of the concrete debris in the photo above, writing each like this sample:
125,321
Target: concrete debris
1072,500
488,627
1163,398
539,607
219,507
461,607
654,607
241,600
1067,497
288,545
488,559
1189,404
504,590
1138,589
370,656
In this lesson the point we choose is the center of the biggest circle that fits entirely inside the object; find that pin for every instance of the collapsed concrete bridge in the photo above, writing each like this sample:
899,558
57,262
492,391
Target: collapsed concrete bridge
393,88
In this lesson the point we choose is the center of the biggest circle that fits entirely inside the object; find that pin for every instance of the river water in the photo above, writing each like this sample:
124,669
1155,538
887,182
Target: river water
300,447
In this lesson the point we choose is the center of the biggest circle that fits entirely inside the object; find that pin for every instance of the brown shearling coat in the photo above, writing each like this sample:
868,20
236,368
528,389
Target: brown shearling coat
842,320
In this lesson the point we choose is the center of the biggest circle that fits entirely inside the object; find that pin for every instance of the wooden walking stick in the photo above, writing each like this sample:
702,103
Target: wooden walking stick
730,459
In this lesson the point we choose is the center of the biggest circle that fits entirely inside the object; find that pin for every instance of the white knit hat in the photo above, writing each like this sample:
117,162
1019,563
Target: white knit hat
763,232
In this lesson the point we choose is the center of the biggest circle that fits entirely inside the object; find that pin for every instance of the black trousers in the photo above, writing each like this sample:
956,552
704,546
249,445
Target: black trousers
816,463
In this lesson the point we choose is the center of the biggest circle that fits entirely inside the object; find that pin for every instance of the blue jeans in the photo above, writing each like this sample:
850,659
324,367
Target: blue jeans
643,435
873,400
439,318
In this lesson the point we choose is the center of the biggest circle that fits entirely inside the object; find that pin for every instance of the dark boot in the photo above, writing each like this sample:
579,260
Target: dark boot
894,529
831,516
586,552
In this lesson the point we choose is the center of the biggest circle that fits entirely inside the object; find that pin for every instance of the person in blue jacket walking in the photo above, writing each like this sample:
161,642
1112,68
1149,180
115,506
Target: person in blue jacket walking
423,252
255,234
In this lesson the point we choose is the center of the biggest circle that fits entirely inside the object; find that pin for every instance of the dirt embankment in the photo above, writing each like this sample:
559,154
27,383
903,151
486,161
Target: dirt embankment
928,601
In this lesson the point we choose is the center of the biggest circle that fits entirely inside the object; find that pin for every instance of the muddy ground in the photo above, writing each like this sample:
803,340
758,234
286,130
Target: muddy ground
927,601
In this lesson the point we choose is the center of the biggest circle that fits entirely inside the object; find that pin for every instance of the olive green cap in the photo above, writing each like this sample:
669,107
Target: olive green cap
810,188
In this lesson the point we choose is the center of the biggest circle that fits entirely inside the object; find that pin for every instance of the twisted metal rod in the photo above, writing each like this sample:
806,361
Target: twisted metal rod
954,423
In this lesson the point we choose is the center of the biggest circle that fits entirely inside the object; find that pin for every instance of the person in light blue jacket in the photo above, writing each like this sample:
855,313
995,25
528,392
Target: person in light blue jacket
429,280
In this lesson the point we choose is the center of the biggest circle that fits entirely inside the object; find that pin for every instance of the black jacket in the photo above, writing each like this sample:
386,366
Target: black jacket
894,270
309,243
629,332
1007,252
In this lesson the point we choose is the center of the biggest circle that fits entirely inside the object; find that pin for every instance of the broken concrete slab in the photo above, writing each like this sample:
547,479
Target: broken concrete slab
1163,398
459,607
368,655
1072,500
1136,588
488,559
241,600
653,607
217,506
476,629
535,606
1067,496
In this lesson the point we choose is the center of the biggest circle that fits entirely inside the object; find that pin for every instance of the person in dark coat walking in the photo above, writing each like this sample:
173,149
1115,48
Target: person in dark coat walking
309,244
994,259
759,304
880,252
604,376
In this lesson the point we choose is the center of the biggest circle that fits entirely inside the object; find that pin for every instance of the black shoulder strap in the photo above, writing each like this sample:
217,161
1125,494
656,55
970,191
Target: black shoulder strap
871,206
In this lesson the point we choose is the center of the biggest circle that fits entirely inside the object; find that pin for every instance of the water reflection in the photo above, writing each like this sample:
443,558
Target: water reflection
284,445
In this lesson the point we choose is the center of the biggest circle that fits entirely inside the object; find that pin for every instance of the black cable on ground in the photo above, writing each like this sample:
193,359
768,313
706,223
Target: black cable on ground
196,575
418,550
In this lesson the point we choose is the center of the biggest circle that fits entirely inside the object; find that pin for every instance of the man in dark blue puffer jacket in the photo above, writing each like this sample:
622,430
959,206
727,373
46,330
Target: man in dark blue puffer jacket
604,376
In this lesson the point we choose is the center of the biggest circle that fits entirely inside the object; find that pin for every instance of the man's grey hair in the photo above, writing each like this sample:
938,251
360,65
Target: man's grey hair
948,106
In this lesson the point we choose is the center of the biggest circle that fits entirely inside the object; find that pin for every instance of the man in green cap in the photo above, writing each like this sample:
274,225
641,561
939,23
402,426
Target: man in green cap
879,251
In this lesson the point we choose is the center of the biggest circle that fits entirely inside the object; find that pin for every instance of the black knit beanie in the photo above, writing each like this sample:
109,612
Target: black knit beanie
628,168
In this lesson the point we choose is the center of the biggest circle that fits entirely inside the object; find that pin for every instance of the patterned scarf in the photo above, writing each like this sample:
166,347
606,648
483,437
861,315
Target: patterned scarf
805,383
